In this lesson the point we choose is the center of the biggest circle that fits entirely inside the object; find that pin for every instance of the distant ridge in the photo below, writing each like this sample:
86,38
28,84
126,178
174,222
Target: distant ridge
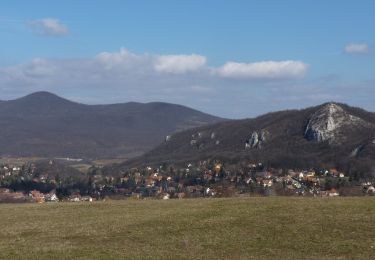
44,124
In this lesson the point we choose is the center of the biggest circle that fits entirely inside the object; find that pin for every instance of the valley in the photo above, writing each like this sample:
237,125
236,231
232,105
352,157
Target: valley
326,150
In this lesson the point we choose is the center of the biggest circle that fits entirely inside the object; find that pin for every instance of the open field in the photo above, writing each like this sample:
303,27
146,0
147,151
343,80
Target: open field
18,161
102,162
233,228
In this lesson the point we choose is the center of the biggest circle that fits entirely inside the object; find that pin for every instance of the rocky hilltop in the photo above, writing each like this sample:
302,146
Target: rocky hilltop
328,121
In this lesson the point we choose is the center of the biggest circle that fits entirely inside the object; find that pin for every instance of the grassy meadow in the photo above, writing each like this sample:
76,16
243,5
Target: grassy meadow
234,228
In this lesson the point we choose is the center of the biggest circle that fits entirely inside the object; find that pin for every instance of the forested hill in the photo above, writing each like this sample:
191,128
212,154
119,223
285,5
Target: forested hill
43,124
330,133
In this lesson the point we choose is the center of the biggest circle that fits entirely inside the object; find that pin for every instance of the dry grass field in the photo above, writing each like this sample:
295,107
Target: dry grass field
259,228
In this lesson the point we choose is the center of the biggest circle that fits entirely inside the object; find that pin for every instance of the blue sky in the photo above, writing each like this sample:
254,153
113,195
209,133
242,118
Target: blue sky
229,58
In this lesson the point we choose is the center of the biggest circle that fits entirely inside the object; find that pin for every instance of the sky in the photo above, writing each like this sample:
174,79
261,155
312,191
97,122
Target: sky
233,58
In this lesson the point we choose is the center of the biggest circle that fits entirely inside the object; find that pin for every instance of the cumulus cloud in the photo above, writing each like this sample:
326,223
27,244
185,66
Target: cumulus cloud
121,60
357,48
264,70
120,76
128,67
49,27
179,63
125,68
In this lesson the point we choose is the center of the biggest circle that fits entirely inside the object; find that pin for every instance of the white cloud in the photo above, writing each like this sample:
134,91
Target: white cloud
178,64
121,76
39,68
125,68
49,27
357,48
121,60
263,70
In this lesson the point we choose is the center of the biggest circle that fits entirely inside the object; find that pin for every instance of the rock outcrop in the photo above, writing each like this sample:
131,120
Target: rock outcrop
356,151
257,139
325,124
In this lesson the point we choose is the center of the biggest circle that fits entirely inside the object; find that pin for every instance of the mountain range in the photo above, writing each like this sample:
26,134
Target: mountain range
331,134
45,125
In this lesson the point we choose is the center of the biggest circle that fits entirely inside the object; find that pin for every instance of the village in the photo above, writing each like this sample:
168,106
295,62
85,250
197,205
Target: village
210,178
